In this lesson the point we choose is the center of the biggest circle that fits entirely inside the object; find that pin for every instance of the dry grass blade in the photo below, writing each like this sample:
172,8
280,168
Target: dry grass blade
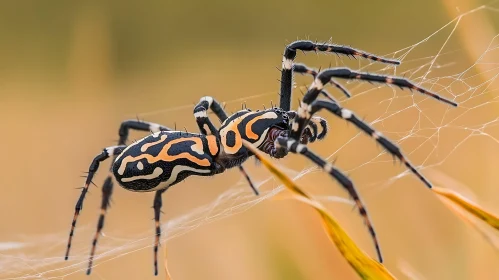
469,206
365,266
464,215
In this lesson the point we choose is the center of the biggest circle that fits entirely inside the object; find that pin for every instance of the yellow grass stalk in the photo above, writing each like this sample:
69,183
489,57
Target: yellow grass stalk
463,214
474,37
365,266
469,206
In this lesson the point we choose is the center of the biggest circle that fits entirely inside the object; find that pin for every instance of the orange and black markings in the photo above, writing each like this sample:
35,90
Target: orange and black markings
167,157
252,126
163,159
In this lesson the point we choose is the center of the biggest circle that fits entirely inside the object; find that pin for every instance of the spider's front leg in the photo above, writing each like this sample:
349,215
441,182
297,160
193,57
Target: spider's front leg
310,105
311,131
308,46
289,144
303,69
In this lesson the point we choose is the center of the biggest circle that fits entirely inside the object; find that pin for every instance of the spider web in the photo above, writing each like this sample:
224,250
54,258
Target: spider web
444,72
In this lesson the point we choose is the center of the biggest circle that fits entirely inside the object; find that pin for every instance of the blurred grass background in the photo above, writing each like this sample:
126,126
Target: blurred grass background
71,71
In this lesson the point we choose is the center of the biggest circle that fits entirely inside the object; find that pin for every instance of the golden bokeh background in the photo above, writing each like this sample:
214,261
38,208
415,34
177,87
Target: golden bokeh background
71,71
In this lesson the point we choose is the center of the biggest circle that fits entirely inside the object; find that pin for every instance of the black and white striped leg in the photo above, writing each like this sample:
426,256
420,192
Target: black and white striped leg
137,125
326,76
303,69
128,125
202,119
307,46
201,114
94,166
295,147
208,102
318,121
383,141
158,203
107,190
311,131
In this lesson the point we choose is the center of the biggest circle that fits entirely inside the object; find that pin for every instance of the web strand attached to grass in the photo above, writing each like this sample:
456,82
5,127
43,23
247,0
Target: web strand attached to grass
474,88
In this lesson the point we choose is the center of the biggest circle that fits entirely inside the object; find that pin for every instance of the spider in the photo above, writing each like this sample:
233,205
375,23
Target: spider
166,157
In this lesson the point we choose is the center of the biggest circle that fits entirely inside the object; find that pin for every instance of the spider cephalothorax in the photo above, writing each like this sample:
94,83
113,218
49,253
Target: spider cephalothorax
252,126
261,128
166,157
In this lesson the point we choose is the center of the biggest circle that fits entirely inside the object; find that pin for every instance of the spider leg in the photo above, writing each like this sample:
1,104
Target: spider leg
325,77
295,147
376,135
107,190
340,87
323,123
128,125
312,127
318,121
307,46
94,166
123,132
157,211
312,132
303,69
304,111
201,115
137,125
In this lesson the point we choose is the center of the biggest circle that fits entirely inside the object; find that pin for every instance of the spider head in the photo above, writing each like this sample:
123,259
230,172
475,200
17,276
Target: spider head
267,124
261,128
280,126
277,124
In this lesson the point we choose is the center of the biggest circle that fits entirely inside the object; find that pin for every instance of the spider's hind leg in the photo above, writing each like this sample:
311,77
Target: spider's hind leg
107,190
137,125
158,203
94,166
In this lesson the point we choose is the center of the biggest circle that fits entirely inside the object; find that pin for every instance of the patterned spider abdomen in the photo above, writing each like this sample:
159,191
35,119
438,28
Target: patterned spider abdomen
163,159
